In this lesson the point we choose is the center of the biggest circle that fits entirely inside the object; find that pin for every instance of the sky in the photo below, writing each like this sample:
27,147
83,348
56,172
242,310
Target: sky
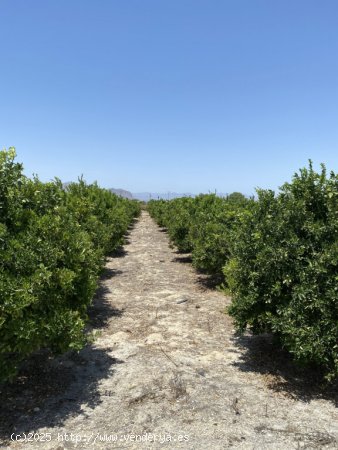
170,95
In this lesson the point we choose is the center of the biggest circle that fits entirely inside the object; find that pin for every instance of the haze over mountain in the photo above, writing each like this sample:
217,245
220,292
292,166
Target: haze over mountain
146,196
143,196
122,193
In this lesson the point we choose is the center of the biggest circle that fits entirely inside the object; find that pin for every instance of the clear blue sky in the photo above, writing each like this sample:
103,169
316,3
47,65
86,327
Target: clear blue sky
179,95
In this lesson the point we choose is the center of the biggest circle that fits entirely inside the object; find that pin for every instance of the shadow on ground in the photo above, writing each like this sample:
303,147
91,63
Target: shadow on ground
209,281
283,375
183,259
50,389
107,274
120,252
205,280
101,309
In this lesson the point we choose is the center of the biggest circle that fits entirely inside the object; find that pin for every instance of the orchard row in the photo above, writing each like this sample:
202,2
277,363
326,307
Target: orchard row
53,243
277,255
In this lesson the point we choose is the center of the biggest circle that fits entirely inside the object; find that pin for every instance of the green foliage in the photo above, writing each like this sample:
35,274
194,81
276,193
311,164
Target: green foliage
283,271
278,256
211,232
158,210
236,197
202,225
175,215
52,247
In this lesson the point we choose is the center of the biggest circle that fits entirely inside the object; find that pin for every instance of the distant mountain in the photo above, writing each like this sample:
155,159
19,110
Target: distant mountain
146,196
122,193
66,184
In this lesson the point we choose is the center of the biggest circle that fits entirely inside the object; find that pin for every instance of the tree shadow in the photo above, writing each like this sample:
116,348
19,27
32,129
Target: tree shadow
101,310
182,259
261,355
108,273
50,389
119,252
182,252
126,240
205,280
133,222
209,282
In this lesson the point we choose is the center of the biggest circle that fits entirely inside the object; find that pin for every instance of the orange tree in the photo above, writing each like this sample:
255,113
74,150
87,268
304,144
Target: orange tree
53,243
283,273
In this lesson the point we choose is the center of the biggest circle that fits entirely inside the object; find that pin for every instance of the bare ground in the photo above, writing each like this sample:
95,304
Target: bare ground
166,363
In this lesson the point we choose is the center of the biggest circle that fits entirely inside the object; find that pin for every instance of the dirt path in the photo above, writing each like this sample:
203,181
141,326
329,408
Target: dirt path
166,363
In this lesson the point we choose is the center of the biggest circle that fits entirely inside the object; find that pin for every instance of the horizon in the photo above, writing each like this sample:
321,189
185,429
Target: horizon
181,96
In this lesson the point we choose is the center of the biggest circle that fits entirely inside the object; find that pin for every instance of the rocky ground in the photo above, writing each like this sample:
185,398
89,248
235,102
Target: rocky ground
165,371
